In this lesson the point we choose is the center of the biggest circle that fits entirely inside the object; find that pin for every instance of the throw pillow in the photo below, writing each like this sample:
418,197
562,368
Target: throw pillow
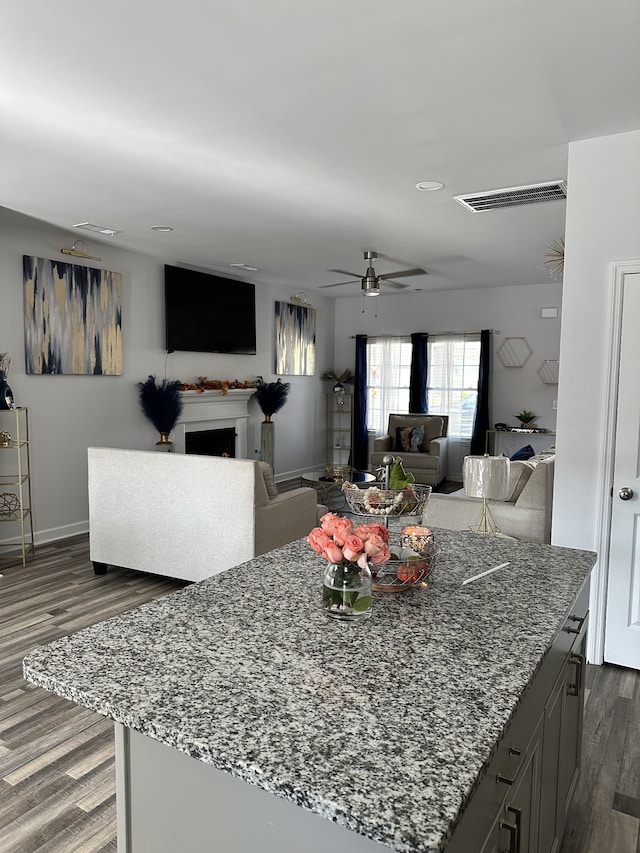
525,452
519,473
270,483
415,439
409,439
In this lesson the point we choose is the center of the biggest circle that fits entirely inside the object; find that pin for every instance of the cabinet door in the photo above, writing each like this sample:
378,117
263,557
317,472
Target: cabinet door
551,754
570,732
521,814
563,718
494,841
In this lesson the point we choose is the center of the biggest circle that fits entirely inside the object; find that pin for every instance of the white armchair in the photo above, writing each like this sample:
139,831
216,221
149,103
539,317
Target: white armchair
427,458
187,516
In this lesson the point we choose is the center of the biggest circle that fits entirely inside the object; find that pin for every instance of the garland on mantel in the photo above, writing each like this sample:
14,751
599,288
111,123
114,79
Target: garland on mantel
221,385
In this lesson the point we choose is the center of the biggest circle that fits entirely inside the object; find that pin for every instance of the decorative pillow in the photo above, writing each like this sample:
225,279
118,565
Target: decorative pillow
525,452
267,475
415,439
409,439
519,473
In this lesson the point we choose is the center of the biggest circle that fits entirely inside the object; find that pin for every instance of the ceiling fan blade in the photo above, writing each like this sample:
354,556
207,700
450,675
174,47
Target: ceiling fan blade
338,283
347,272
403,273
395,284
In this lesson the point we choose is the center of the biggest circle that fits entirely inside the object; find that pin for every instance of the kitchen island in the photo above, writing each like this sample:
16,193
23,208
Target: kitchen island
248,721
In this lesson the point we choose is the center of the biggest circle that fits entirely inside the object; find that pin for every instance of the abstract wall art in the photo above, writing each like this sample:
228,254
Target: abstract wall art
73,318
295,339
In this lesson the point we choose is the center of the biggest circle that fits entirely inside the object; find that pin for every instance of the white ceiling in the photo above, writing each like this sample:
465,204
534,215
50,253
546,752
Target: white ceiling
290,134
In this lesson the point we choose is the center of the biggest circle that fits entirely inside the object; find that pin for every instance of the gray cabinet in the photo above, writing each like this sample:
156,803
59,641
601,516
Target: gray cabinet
522,802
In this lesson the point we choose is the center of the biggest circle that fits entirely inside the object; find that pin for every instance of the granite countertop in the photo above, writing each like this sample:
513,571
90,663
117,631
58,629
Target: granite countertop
383,726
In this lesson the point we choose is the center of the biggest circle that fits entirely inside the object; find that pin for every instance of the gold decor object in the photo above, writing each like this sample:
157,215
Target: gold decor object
9,504
418,539
5,439
164,440
80,253
554,259
486,477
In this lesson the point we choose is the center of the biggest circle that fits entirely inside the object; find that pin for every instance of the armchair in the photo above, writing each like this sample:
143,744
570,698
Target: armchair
420,441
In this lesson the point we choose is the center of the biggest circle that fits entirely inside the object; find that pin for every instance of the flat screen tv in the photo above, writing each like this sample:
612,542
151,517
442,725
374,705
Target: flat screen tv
209,313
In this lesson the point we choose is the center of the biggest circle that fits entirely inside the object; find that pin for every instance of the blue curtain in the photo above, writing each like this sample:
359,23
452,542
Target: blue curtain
481,421
360,439
418,402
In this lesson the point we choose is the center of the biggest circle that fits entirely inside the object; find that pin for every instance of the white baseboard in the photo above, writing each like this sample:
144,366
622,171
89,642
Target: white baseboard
51,535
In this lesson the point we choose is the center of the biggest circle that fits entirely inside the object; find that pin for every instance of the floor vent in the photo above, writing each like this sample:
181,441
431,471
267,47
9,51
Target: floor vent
513,196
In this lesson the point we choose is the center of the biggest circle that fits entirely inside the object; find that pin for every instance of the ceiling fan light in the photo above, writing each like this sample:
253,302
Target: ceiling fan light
370,286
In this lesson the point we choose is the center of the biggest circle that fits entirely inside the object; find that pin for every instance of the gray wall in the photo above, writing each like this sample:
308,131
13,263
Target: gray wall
603,225
514,311
69,413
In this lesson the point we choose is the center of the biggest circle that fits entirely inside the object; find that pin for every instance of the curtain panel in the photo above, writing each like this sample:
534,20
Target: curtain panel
481,422
360,460
418,402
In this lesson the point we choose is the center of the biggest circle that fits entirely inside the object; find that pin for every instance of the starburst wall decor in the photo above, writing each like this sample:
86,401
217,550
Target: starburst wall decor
554,259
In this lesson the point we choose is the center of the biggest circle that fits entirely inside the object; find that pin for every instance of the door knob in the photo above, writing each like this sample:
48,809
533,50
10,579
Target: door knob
625,493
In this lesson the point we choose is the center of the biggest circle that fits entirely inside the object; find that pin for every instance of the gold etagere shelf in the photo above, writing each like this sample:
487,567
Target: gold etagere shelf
15,472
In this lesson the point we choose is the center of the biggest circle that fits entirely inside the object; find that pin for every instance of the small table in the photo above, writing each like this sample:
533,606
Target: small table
327,484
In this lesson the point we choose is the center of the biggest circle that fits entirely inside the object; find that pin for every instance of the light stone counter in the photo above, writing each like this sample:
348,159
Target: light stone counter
383,727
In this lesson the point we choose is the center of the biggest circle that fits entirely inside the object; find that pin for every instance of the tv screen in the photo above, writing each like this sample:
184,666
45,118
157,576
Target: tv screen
209,313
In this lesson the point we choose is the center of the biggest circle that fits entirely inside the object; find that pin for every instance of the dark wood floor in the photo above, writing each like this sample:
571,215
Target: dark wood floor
57,778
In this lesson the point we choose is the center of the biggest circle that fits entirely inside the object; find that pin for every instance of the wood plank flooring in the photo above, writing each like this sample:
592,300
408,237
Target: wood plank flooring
57,777
57,772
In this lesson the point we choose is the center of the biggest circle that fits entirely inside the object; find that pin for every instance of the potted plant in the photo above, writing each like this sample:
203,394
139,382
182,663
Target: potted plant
345,376
271,397
162,405
526,418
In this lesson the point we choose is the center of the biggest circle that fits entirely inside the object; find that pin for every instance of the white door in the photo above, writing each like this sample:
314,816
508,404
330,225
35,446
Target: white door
622,623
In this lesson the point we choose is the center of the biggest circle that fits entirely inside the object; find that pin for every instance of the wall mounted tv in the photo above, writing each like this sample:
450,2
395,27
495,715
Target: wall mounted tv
208,313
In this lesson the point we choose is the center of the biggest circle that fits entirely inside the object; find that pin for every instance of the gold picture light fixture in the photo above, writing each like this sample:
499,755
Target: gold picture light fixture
80,253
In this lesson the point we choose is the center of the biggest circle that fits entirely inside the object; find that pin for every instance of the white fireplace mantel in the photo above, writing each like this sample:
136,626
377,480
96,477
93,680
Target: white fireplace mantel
214,410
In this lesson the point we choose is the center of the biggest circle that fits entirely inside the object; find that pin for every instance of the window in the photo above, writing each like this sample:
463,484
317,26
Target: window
452,380
388,372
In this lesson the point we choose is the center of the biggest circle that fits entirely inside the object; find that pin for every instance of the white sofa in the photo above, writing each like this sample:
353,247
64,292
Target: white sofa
525,515
188,516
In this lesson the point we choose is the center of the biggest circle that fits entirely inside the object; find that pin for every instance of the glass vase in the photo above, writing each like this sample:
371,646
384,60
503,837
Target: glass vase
347,592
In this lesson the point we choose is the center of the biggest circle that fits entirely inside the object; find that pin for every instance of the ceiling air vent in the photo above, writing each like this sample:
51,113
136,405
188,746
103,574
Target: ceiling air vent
513,196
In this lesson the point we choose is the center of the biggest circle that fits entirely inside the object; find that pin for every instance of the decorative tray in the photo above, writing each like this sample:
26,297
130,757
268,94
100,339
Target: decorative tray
373,499
398,574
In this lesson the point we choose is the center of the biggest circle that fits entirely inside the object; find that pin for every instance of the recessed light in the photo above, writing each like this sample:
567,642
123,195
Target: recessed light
247,267
163,229
429,186
98,229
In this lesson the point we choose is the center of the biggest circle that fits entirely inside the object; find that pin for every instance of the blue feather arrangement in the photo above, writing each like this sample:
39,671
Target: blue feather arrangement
271,396
162,403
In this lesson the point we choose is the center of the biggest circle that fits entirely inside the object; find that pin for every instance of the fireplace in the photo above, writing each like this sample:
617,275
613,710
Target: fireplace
211,442
212,411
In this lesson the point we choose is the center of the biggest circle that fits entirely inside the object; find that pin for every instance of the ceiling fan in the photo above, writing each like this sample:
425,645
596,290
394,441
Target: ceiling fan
371,282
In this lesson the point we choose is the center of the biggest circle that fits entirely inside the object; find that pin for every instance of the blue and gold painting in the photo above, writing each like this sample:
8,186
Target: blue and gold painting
73,318
295,339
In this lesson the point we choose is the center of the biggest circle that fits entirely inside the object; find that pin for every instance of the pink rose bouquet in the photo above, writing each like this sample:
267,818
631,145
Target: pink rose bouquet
338,541
349,551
